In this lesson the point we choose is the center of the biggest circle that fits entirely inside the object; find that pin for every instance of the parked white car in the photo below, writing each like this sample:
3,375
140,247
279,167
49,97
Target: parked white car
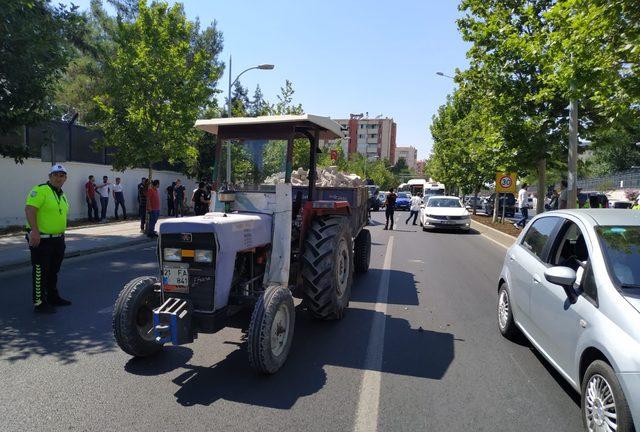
444,212
571,285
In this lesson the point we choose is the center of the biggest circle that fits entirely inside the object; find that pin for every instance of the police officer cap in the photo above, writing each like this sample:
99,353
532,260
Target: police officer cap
57,168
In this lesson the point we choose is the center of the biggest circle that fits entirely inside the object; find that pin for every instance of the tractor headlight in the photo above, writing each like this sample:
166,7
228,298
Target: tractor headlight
204,256
172,254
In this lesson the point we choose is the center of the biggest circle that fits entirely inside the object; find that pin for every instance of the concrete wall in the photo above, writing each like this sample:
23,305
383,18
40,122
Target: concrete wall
18,179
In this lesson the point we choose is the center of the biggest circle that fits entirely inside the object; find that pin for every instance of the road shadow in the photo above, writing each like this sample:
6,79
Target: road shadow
80,329
409,352
521,339
564,385
471,231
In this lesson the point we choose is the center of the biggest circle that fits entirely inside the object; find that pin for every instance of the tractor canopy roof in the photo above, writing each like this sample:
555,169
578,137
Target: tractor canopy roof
271,127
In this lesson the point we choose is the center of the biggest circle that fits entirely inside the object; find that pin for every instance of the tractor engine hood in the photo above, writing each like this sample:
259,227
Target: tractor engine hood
234,232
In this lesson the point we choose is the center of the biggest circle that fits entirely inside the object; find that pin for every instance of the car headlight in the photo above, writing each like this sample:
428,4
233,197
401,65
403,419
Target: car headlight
172,254
204,256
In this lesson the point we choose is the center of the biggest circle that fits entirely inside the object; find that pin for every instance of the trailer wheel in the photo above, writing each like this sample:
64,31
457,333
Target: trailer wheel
271,330
362,252
328,267
133,316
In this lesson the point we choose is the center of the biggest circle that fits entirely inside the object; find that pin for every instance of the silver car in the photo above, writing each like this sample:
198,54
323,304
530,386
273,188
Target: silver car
571,285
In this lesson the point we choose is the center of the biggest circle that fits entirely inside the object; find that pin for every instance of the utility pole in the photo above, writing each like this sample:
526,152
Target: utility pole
572,179
229,141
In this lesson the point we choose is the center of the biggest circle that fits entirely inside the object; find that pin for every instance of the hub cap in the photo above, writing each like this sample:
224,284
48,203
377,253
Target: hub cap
342,268
600,406
280,330
503,309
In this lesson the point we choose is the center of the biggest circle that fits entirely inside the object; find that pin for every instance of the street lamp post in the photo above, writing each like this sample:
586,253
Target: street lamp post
231,83
444,75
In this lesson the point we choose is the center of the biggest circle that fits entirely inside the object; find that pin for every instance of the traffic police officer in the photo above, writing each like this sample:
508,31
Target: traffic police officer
46,209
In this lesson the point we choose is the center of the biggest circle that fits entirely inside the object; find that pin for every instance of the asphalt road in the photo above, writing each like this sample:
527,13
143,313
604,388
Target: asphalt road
418,350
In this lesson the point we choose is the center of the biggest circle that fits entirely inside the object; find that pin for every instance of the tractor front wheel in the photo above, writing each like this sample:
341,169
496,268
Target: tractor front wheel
271,330
133,316
328,267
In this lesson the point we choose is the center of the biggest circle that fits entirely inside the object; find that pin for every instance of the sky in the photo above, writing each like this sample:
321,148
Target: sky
344,57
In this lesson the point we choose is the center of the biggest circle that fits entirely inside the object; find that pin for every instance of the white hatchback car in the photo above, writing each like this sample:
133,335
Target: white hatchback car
571,285
444,212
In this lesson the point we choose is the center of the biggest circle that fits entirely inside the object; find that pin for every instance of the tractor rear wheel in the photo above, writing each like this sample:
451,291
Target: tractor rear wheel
362,251
271,330
133,316
328,267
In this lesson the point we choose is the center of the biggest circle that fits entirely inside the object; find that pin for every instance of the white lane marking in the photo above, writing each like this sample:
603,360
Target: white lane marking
495,241
106,310
369,400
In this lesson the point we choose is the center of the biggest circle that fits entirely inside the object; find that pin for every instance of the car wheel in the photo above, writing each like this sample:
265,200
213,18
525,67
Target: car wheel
604,406
506,324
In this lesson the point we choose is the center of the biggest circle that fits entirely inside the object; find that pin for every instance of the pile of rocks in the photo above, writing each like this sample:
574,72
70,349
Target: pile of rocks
326,177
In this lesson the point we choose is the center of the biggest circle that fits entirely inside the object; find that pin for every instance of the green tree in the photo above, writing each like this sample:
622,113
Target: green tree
507,62
157,83
259,106
36,45
240,104
285,103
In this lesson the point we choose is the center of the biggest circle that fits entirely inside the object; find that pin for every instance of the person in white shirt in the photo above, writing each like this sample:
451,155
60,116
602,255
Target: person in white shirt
104,190
523,205
416,202
118,198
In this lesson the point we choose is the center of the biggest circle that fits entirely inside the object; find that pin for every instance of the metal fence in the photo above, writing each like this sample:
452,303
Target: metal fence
66,143
621,180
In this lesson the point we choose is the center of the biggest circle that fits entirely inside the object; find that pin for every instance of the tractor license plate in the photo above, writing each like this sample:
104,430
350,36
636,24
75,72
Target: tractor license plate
175,279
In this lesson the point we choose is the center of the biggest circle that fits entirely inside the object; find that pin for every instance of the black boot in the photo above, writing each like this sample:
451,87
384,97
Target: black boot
59,301
44,308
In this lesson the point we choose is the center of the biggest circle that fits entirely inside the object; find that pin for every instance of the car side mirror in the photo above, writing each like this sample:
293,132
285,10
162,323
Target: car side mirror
565,277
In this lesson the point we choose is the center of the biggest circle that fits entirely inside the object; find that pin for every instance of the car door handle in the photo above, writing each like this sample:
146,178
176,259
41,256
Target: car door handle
536,279
512,257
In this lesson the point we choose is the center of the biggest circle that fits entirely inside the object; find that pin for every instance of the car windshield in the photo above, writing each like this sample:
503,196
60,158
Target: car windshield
621,247
443,202
404,195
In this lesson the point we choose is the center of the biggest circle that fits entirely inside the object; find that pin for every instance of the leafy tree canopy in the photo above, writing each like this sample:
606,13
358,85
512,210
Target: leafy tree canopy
36,45
158,81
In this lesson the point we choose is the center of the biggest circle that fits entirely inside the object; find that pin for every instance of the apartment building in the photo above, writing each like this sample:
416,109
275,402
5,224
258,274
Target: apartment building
410,155
374,138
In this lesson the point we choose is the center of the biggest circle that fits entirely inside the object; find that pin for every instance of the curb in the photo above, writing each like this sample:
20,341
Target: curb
72,254
505,240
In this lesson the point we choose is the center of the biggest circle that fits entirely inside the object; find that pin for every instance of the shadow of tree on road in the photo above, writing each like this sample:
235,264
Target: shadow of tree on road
82,328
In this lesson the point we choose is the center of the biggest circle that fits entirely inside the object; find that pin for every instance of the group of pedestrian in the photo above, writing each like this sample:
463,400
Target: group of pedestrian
104,191
176,199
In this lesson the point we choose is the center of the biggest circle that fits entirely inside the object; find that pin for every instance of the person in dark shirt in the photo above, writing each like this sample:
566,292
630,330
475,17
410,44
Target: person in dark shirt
201,200
142,202
178,199
390,205
170,207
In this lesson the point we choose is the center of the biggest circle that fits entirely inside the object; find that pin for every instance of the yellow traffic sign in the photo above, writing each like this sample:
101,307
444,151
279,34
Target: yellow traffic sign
506,182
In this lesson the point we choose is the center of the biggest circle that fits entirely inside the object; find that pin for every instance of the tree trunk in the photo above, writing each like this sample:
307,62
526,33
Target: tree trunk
475,199
542,187
496,202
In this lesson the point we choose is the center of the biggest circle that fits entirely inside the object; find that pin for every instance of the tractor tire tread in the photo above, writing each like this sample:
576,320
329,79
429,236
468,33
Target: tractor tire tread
319,293
126,336
263,314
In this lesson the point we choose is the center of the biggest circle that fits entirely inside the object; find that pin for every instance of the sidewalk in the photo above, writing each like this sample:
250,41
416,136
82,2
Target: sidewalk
14,251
